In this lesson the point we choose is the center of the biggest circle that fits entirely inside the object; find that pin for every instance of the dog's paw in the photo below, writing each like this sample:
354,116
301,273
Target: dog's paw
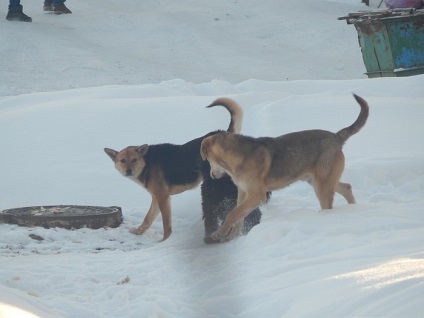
235,232
136,231
209,240
218,236
222,235
166,235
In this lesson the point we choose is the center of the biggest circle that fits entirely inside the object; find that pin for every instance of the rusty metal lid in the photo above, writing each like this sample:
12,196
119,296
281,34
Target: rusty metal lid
375,15
64,216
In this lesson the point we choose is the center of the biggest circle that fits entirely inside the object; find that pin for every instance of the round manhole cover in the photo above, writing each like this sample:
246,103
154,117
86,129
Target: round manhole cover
66,216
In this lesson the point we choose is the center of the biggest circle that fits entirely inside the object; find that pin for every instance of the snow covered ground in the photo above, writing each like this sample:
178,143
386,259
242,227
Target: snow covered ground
106,75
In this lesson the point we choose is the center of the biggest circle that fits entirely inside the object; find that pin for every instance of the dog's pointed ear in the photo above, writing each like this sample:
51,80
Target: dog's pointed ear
111,153
142,150
203,149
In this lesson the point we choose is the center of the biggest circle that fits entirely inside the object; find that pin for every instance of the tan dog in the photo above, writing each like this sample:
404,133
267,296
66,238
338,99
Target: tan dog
168,169
258,165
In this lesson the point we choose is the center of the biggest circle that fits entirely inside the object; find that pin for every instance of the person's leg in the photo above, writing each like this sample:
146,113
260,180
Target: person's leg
15,12
48,5
59,7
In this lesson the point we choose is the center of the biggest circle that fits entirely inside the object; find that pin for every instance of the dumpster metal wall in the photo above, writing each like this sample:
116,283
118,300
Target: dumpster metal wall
392,43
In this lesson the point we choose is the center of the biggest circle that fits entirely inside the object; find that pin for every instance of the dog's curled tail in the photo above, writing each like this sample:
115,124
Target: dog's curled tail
235,111
345,133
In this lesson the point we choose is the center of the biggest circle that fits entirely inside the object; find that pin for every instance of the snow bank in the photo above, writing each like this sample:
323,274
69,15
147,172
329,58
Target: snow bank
355,260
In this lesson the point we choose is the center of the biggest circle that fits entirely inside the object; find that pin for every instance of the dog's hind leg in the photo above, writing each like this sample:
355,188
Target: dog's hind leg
165,209
149,218
325,193
345,189
326,179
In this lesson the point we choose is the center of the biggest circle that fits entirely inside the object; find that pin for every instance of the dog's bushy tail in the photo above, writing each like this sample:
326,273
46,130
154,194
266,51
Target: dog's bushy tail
345,133
235,111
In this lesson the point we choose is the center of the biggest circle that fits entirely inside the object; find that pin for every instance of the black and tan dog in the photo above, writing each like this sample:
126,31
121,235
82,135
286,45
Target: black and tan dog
258,165
168,169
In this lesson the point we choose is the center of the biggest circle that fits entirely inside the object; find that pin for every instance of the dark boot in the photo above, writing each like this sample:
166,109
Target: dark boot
61,9
15,14
48,5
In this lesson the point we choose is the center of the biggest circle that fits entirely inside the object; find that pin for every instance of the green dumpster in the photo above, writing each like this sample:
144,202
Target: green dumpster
391,41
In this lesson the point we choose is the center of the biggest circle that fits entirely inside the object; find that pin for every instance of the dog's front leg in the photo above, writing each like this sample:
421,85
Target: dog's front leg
237,228
165,209
235,219
235,231
149,218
